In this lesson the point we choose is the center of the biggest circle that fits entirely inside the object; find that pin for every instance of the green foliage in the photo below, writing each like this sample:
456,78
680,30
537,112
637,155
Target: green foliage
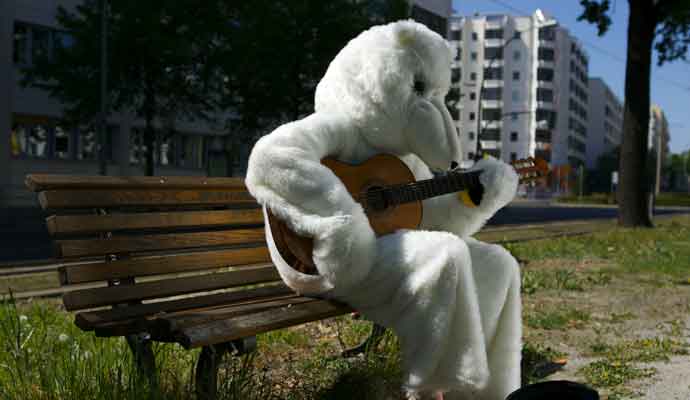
671,17
285,48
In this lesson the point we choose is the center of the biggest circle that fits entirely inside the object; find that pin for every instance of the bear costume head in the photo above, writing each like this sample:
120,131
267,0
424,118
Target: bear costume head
391,82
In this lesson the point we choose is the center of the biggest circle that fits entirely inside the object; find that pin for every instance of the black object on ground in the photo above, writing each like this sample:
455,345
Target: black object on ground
550,390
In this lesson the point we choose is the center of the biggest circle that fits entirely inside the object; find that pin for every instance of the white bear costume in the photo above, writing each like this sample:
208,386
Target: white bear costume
453,301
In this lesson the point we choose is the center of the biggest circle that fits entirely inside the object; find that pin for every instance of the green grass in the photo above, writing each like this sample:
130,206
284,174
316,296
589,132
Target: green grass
558,318
605,373
534,280
664,199
662,250
640,350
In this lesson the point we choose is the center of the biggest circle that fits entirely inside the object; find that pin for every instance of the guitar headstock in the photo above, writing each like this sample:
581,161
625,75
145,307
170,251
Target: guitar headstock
530,169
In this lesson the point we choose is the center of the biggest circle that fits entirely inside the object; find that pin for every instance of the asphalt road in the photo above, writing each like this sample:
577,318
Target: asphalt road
23,235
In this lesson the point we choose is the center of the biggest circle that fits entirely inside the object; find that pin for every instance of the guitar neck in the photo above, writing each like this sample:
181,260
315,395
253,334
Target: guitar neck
425,189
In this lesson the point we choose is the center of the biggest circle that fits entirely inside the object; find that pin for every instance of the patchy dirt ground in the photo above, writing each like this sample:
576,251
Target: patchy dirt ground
627,334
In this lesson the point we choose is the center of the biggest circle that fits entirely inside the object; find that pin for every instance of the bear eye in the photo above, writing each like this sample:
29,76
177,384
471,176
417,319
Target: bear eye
419,86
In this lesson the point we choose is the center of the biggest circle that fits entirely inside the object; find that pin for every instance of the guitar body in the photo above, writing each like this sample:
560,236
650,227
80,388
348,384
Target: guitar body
377,172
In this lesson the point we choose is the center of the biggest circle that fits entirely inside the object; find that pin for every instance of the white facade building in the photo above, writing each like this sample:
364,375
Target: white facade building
534,79
605,124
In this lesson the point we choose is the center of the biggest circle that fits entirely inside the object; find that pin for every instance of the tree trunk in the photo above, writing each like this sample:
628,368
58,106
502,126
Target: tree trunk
633,187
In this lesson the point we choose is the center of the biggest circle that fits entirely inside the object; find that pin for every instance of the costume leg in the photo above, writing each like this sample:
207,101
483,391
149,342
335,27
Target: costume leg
423,288
497,277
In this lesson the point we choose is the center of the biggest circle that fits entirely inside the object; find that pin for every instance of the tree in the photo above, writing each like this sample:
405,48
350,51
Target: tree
159,62
668,23
276,51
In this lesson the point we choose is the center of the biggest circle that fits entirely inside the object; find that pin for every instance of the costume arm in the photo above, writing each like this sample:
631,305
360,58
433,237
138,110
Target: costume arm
450,213
285,175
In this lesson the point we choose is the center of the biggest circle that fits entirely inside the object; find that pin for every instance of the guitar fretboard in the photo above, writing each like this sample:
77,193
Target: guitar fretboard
425,189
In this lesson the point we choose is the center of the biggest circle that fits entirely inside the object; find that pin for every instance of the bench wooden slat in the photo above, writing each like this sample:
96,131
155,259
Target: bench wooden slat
159,265
90,298
140,243
41,182
164,328
102,198
61,224
253,324
90,320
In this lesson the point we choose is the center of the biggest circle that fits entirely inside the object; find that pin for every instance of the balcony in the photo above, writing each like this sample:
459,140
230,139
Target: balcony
497,62
490,144
546,63
546,105
492,103
494,42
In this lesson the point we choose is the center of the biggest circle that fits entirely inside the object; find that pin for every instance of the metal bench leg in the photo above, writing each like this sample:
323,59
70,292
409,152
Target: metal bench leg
144,358
377,332
209,363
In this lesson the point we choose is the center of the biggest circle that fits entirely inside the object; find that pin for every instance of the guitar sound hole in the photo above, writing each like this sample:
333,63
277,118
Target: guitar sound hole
376,198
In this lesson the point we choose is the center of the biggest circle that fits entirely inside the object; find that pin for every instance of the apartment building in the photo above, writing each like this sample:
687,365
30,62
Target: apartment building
530,76
605,123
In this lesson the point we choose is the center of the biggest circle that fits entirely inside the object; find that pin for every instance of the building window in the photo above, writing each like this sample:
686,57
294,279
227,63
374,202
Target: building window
545,54
494,93
86,144
470,156
473,56
473,96
545,74
40,43
516,95
433,21
492,114
474,36
493,53
513,136
513,157
456,74
493,73
456,35
545,95
61,143
471,116
471,135
20,39
473,76
490,134
516,75
516,35
493,34
516,55
514,116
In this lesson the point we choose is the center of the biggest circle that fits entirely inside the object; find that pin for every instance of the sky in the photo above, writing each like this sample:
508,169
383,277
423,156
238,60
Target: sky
670,83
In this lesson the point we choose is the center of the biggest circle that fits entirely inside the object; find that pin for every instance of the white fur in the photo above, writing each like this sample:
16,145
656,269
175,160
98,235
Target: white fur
453,301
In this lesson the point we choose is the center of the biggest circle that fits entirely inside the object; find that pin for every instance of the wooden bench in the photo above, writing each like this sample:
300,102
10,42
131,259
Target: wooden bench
170,259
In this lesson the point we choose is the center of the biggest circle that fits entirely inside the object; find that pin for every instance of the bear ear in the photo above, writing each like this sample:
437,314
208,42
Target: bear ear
405,33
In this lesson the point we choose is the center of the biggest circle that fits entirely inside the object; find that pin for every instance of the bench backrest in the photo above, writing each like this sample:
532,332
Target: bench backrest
149,238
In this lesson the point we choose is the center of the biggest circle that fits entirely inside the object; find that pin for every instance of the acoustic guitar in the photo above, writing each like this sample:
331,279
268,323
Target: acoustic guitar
391,198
